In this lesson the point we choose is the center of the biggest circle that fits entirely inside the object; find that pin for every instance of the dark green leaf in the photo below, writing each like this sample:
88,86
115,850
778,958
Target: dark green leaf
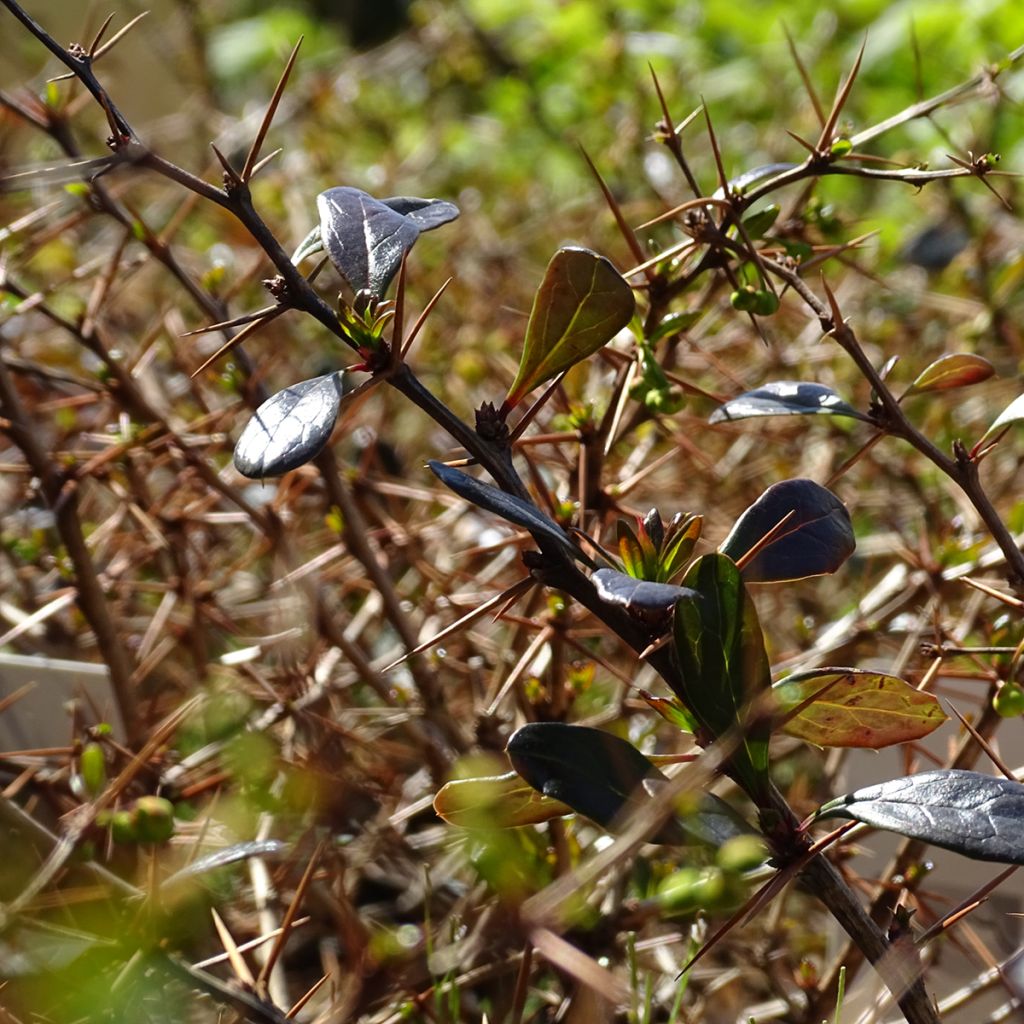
724,663
582,303
605,778
289,428
785,398
855,708
816,538
651,602
508,506
978,815
597,774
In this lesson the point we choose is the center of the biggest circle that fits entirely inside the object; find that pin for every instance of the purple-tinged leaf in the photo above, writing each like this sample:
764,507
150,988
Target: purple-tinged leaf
365,239
651,602
785,398
815,539
582,303
979,816
426,214
508,506
604,778
952,371
856,708
289,428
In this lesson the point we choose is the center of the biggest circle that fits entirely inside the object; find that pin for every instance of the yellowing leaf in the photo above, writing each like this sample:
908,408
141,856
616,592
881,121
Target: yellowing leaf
856,708
952,371
582,303
495,801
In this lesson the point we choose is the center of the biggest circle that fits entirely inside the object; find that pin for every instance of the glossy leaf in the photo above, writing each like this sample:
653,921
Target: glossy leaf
651,602
1011,414
952,371
604,778
785,398
365,240
856,708
495,801
979,816
582,303
816,538
597,774
724,664
426,214
508,506
290,428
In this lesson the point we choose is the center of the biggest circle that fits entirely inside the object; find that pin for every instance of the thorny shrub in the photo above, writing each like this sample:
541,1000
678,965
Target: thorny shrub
307,677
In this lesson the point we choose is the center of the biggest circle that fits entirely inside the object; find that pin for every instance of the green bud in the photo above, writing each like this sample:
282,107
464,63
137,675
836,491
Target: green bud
122,827
744,298
765,303
741,853
1008,701
154,819
92,765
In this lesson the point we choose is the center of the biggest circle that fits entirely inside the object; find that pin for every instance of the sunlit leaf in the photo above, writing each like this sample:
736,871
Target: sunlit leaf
978,815
508,506
604,778
724,663
1011,414
816,538
290,428
495,801
597,774
682,539
785,398
672,711
367,238
582,303
649,601
426,214
364,239
952,371
630,552
347,205
856,708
